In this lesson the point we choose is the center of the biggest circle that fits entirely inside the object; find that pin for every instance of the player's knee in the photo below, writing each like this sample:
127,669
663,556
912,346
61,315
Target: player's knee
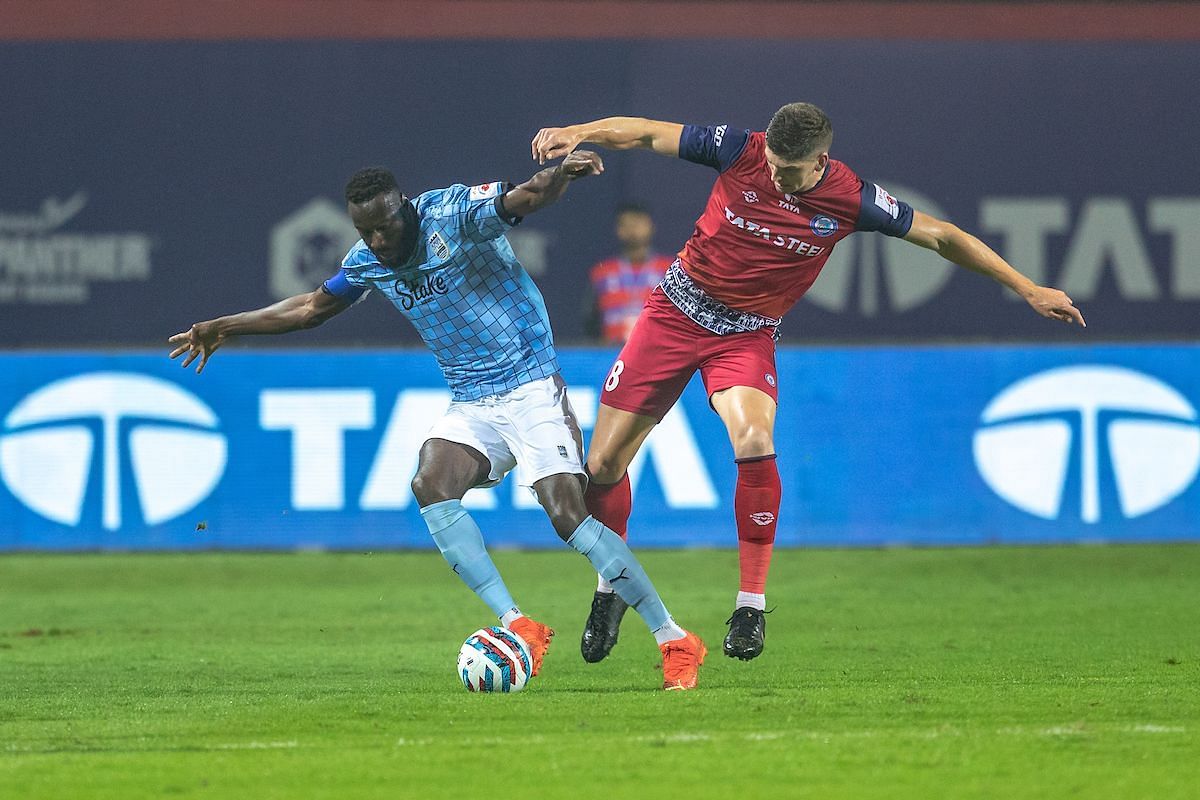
566,522
753,440
428,490
565,509
605,468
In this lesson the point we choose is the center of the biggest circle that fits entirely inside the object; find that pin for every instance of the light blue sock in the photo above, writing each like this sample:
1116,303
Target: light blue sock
461,543
613,560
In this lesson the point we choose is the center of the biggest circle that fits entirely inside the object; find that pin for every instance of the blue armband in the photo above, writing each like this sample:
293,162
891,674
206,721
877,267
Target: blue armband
340,287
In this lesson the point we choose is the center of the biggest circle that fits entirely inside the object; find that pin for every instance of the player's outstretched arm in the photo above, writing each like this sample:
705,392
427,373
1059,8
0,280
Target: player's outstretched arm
960,247
614,133
548,185
293,314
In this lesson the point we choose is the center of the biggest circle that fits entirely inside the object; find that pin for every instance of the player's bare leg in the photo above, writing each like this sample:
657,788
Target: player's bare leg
749,417
445,472
616,438
562,497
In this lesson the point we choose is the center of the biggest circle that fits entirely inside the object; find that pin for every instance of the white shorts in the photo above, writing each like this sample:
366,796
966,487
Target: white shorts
533,428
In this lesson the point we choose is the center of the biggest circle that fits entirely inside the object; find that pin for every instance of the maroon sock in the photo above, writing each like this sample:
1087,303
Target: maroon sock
611,503
756,506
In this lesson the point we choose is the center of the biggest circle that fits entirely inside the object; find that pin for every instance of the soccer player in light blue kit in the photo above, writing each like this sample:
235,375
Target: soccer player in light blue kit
443,262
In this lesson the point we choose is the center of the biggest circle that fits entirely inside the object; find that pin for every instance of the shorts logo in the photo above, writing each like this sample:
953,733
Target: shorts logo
438,245
823,226
562,451
751,197
770,379
762,518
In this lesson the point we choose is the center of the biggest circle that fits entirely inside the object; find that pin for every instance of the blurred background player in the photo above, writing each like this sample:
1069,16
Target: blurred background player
778,207
622,284
444,263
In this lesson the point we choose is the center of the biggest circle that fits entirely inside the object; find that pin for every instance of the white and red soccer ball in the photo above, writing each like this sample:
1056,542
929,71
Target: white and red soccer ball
494,660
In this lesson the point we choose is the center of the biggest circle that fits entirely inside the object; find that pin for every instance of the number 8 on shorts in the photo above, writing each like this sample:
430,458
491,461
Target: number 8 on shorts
614,377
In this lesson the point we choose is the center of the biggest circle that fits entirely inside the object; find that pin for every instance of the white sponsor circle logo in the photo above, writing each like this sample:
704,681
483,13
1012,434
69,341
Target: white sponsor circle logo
46,451
1025,448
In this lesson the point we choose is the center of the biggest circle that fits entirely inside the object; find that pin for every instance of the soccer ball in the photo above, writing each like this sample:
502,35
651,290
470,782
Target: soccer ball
494,660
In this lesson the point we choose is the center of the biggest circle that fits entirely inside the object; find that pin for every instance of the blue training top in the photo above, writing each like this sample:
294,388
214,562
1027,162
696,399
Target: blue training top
464,291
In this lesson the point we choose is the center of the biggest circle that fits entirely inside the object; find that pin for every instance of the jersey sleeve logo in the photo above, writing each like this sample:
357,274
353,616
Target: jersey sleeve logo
719,134
886,202
484,191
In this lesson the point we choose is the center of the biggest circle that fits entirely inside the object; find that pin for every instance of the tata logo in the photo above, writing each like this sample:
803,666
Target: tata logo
1108,430
328,470
106,428
874,275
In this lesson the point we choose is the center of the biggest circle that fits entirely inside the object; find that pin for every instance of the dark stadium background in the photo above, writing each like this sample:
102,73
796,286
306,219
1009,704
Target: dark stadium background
162,163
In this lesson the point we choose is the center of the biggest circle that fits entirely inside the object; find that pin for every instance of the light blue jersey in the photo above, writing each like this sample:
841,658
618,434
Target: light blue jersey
464,291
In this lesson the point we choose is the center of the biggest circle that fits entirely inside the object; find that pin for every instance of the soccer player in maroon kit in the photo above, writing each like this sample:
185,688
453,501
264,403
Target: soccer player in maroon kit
778,207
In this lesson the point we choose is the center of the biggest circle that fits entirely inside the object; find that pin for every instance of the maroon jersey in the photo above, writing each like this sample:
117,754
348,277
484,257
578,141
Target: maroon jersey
758,250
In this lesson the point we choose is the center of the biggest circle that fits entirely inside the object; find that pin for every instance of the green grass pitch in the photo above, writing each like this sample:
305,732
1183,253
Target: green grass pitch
1004,672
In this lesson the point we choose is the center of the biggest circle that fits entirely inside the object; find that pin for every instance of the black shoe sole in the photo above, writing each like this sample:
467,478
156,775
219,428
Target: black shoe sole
600,653
743,656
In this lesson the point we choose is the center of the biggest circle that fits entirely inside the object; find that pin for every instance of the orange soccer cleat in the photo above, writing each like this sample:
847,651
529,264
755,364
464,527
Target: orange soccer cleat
536,635
681,662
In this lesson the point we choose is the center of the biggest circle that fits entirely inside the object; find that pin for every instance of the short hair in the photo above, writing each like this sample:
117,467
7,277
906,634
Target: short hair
632,208
799,131
368,183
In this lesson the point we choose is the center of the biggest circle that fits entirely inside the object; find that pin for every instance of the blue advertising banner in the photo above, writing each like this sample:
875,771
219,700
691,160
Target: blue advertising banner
190,179
316,449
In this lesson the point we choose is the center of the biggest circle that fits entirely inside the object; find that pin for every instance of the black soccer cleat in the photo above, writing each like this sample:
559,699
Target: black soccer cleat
747,629
603,625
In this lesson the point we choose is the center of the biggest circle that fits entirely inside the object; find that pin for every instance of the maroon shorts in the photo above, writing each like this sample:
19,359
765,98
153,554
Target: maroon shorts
665,350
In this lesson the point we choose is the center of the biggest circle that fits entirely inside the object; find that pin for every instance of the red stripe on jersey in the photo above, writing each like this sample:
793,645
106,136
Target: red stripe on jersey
621,289
757,249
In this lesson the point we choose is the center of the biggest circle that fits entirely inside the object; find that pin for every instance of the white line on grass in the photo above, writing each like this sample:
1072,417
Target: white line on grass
1069,729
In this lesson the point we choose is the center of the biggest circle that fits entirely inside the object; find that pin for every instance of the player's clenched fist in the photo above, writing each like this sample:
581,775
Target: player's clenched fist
551,143
582,163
